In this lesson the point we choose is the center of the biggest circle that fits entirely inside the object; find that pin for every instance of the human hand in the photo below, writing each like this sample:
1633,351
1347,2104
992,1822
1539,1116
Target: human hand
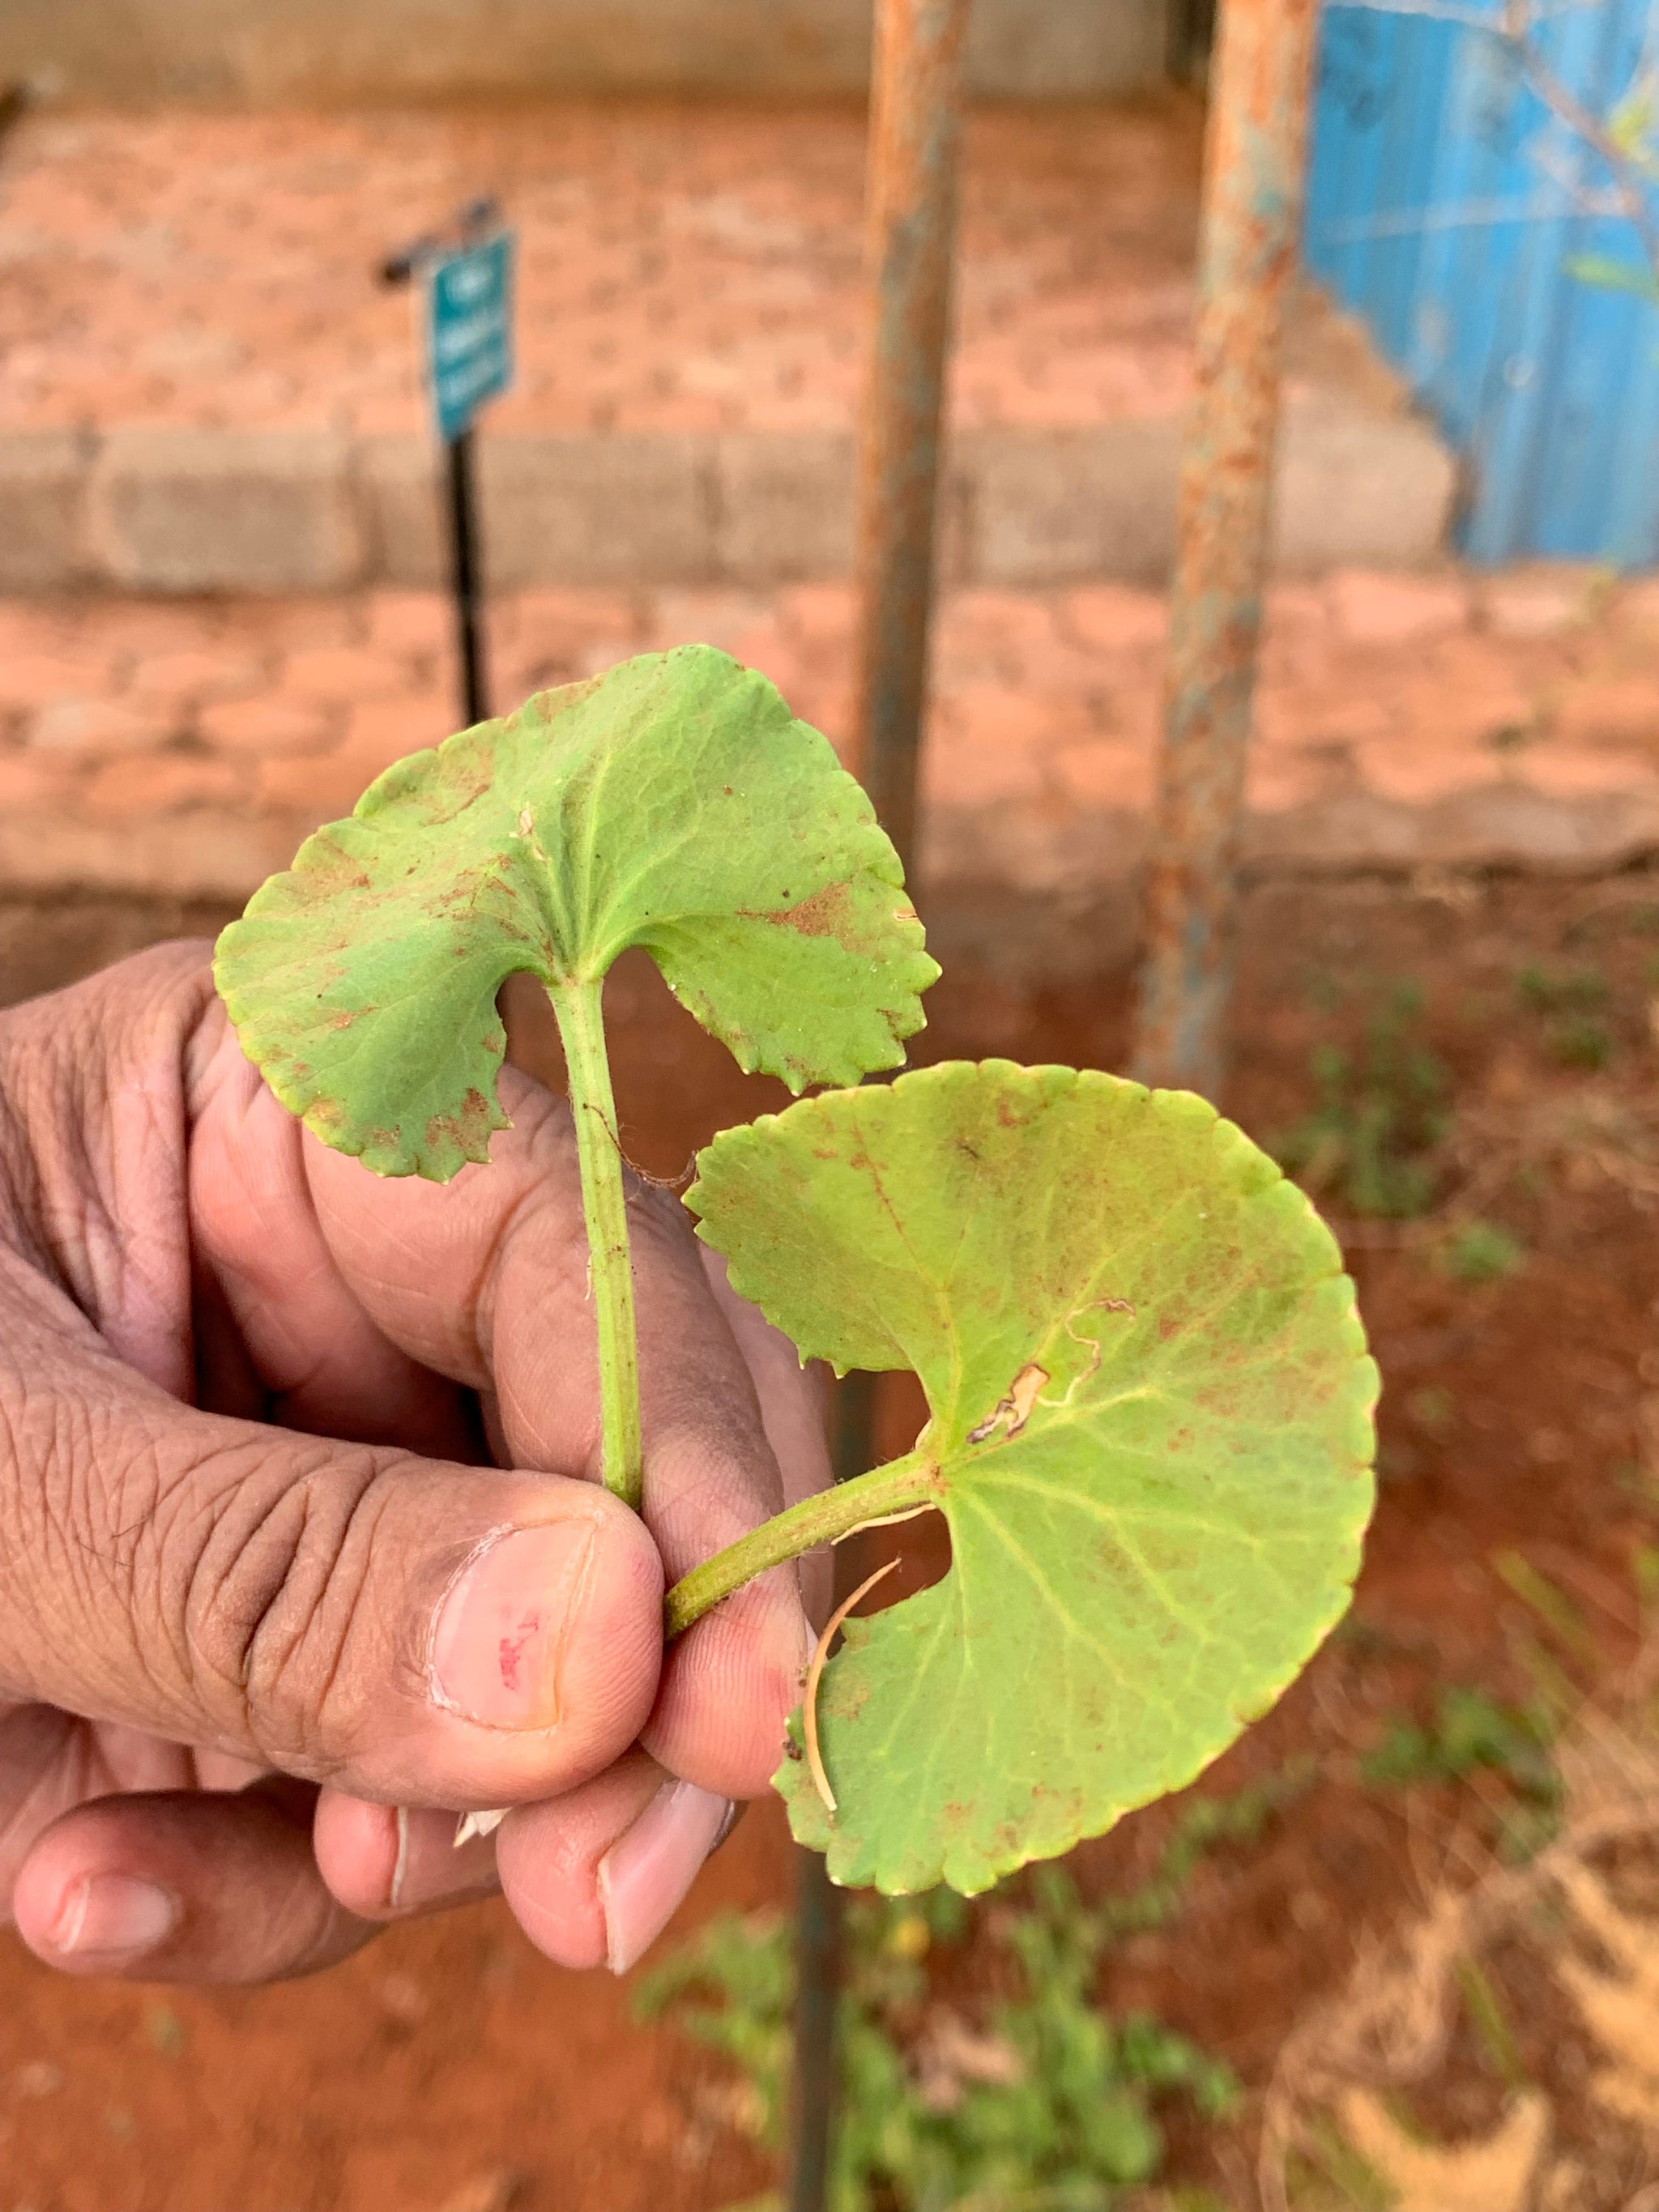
302,1544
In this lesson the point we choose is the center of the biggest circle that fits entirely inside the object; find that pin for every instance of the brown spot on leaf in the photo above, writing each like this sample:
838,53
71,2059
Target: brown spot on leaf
824,914
1012,1412
469,1127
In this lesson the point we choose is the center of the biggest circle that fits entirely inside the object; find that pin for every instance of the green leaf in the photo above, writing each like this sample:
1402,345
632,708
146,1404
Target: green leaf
1150,1430
673,803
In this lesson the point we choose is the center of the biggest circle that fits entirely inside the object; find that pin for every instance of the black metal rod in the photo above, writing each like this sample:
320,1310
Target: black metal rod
464,568
818,1913
818,1903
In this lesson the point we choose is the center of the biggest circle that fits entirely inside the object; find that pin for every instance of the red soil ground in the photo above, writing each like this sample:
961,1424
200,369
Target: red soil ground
449,2069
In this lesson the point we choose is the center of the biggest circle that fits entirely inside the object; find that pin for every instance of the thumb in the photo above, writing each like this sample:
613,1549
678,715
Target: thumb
407,1629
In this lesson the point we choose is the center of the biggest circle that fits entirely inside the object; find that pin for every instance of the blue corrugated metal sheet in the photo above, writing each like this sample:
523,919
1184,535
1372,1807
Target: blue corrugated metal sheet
1450,206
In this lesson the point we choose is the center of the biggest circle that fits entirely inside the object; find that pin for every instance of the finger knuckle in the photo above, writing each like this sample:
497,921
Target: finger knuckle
267,1572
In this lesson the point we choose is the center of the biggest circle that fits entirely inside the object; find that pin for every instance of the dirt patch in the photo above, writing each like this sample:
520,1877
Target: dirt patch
1503,2049
1519,1421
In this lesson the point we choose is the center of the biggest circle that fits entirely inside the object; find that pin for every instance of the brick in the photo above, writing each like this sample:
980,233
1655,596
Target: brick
822,616
279,622
1564,772
1013,721
346,673
1296,609
784,506
1112,618
316,785
1018,620
30,679
1275,783
1535,606
967,775
1418,773
1372,609
602,652
29,626
270,726
378,734
635,510
407,622
225,510
556,621
188,676
1611,711
1321,718
162,783
1637,604
26,780
512,677
146,627
1050,507
205,852
323,785
99,725
1106,771
719,617
825,703
1357,486
43,510
764,644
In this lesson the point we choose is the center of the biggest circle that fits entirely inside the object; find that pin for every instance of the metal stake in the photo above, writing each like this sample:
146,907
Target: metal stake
464,542
1254,166
819,1906
915,128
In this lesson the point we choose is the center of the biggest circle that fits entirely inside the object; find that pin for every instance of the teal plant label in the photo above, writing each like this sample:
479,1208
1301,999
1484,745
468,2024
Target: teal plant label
468,330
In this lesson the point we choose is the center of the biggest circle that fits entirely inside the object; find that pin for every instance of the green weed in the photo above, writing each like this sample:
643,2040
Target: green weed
1584,1044
1470,1729
1039,2103
1481,1252
1205,1824
1547,1601
1472,1733
1378,1115
1572,1001
1562,991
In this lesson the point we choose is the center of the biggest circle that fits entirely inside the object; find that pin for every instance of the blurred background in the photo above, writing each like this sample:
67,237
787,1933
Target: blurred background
1398,1946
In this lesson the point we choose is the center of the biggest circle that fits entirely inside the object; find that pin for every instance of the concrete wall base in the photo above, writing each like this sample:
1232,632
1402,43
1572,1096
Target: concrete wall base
201,510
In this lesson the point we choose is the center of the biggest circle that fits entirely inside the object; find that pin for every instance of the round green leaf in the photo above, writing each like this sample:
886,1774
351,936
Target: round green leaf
673,803
1150,1435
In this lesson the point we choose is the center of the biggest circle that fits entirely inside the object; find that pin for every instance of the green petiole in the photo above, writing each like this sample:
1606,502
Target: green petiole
897,1489
604,1209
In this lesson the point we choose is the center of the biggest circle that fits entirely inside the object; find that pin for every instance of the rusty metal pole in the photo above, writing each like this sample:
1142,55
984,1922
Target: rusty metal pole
1255,158
915,129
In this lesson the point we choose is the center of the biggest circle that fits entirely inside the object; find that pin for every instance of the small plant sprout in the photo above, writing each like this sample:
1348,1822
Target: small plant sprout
1149,1399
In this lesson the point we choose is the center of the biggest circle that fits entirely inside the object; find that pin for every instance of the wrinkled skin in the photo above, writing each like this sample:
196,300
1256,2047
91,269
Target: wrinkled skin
302,1543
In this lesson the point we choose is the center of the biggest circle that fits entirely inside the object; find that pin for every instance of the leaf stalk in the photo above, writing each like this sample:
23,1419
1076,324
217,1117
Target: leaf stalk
911,1482
604,1210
